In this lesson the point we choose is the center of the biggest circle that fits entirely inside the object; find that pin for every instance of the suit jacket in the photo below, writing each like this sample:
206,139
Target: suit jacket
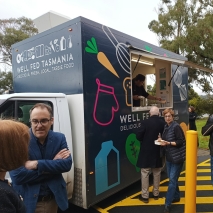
27,182
149,155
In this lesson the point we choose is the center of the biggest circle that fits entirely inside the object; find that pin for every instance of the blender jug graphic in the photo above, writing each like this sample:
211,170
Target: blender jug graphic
107,168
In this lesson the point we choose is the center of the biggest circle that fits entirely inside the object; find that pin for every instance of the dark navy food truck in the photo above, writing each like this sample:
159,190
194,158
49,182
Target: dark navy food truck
84,71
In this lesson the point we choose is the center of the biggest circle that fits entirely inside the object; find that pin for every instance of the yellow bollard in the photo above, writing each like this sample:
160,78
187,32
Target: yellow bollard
191,172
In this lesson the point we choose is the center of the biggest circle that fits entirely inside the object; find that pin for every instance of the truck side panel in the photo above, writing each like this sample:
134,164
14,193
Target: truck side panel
112,147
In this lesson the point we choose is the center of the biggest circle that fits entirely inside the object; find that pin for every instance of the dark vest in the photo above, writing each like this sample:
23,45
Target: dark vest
174,154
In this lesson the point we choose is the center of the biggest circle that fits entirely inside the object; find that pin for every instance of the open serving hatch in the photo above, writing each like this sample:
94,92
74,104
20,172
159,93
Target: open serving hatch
162,70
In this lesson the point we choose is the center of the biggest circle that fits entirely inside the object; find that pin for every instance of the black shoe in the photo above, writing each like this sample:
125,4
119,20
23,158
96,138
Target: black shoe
156,197
176,200
166,209
145,200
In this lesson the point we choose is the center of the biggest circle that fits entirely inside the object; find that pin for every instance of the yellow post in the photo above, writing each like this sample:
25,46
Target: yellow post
191,172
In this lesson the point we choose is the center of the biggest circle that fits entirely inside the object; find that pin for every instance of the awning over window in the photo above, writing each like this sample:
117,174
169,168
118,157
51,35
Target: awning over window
196,66
179,62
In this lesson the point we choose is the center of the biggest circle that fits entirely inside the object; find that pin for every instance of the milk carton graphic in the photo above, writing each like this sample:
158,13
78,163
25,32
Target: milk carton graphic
107,166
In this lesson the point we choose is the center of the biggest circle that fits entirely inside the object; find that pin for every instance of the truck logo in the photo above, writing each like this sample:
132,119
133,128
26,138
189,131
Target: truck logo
41,50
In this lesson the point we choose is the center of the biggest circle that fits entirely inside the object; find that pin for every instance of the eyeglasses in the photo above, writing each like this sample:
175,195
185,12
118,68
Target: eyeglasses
43,122
167,116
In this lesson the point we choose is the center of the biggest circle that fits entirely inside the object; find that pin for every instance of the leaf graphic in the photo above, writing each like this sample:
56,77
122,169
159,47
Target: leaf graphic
92,46
94,43
89,43
132,149
89,50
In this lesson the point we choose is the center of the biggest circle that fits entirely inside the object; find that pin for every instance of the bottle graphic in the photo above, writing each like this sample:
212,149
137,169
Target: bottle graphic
62,43
69,42
107,168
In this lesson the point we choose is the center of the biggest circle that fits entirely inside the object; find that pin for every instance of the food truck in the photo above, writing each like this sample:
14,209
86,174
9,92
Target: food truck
84,70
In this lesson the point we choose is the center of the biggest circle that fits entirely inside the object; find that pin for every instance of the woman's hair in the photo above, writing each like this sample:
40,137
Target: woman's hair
167,110
192,108
14,140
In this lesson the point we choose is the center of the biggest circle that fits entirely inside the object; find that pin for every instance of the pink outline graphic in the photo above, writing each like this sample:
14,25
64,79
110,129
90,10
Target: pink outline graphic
108,90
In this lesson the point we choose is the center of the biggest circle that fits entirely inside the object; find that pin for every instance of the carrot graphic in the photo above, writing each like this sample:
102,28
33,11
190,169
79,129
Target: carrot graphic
92,48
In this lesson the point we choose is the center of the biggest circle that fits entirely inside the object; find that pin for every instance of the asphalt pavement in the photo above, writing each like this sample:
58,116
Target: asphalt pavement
127,201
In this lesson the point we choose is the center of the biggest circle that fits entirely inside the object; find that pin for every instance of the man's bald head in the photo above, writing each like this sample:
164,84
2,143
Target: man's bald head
154,111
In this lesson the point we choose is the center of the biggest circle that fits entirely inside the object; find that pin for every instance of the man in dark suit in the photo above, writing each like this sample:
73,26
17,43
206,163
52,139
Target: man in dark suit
149,156
40,181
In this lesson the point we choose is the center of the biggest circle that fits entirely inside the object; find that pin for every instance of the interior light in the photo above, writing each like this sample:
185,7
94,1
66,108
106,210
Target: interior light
143,62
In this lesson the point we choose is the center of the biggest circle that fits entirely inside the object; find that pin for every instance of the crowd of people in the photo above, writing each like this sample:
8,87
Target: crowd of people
39,157
170,136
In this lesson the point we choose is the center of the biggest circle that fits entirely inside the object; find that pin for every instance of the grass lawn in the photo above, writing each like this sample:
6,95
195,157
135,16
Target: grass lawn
203,140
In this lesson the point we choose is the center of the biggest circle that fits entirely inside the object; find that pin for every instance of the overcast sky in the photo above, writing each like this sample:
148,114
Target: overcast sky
130,17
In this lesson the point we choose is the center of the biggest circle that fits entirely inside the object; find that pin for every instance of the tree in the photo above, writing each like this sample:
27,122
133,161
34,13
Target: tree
206,105
6,81
186,27
192,94
197,103
151,89
12,31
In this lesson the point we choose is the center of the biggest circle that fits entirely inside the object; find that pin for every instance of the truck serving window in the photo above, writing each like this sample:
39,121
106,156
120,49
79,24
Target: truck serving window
19,110
157,73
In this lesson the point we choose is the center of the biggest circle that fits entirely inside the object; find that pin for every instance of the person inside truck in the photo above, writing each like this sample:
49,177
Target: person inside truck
40,181
138,90
14,143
